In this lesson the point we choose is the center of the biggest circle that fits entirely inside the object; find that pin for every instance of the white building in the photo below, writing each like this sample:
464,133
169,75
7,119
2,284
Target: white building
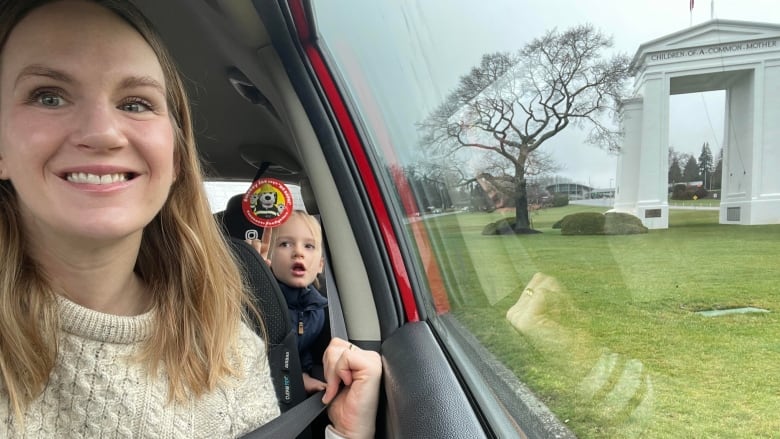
742,58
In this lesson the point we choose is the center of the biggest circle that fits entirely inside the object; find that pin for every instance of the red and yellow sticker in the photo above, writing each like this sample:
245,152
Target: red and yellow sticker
268,203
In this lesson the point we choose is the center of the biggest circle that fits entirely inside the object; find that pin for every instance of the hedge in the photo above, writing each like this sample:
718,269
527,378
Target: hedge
594,223
583,223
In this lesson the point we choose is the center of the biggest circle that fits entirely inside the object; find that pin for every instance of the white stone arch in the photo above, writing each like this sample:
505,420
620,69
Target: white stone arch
742,58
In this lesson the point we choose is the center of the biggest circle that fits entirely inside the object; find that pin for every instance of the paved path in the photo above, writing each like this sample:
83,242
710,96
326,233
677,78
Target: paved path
608,202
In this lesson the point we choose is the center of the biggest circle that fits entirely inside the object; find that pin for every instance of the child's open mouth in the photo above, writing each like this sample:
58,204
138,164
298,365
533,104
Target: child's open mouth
298,269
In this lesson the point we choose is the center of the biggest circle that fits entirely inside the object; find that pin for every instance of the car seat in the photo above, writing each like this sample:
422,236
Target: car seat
275,327
234,223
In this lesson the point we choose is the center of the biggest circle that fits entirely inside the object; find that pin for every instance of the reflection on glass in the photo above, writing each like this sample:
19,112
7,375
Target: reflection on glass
475,109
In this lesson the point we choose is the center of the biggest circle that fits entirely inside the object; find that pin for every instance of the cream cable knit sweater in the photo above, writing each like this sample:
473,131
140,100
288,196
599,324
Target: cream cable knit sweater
95,391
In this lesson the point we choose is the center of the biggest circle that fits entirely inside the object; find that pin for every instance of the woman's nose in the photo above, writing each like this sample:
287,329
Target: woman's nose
99,127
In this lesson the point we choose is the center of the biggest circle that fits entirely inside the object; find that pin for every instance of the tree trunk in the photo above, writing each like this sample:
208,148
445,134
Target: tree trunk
522,220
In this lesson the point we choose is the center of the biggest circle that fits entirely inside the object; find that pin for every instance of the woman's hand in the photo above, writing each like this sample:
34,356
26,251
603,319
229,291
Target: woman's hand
352,408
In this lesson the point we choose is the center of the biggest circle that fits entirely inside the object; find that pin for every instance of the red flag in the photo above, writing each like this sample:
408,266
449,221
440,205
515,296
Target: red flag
691,5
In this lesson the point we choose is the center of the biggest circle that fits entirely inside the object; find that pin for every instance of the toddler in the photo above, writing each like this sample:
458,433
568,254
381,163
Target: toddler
296,259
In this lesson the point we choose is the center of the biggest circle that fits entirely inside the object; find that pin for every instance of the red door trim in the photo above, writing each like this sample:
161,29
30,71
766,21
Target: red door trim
359,154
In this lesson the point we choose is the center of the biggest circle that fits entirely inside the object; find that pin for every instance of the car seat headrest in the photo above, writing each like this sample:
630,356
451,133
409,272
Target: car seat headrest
307,195
235,224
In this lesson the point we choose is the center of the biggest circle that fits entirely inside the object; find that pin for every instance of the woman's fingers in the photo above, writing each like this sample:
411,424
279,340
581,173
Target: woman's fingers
335,373
353,407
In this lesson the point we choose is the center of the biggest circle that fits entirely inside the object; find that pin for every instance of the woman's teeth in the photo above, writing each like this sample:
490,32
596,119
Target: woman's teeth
83,177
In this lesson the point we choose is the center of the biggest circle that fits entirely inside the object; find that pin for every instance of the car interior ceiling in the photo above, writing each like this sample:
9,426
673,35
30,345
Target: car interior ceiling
246,111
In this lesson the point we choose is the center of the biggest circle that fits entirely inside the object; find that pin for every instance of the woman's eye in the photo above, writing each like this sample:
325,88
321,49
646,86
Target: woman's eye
136,105
47,98
51,100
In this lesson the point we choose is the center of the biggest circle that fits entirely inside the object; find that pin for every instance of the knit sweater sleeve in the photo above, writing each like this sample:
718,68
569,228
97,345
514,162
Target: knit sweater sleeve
98,389
253,398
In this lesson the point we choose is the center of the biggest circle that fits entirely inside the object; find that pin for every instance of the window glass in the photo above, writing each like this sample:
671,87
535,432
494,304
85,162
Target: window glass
647,305
219,193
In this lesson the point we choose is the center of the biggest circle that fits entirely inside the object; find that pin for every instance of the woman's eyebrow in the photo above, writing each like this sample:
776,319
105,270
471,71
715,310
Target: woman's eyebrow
142,81
40,70
34,70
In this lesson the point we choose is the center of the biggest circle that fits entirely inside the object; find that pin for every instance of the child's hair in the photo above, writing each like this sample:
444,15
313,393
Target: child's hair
312,224
196,287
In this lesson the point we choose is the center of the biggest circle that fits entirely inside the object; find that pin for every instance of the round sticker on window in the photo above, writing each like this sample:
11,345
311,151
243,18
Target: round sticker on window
267,203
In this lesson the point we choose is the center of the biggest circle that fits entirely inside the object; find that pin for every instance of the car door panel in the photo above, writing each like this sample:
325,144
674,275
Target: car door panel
424,397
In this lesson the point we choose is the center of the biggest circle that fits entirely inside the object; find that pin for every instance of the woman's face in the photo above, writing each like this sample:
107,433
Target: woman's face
85,134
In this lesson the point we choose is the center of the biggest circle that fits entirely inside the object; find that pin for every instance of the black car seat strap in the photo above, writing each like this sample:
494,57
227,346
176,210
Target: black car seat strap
292,422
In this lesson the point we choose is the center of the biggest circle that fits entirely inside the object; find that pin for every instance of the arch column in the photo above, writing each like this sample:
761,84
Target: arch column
642,165
751,181
628,160
652,206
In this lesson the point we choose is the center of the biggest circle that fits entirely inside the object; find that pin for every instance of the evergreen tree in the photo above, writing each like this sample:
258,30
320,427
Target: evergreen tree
691,170
717,173
675,173
706,166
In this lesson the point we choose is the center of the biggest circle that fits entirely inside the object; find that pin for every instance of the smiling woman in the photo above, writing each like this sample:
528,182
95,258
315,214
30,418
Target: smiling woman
118,295
64,124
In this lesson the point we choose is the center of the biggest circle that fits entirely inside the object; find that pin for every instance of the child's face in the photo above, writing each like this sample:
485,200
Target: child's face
296,258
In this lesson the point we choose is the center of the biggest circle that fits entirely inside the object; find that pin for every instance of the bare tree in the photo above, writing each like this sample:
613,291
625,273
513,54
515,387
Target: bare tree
500,172
511,104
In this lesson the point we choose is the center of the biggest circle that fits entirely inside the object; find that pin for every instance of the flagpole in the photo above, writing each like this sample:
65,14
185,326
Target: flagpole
690,14
712,9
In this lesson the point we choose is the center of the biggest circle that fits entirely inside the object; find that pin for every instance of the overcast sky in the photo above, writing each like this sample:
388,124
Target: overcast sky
458,32
694,118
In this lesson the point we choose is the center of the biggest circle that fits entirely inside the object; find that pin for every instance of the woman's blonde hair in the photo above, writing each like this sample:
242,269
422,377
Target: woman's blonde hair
196,286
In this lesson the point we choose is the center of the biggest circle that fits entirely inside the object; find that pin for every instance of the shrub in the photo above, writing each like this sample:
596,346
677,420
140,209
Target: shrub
594,223
504,226
560,200
557,224
620,223
680,192
583,223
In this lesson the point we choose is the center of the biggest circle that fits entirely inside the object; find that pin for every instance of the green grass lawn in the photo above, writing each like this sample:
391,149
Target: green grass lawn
624,354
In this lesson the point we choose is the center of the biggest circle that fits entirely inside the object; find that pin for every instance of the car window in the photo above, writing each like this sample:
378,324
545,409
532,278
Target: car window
585,185
219,192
